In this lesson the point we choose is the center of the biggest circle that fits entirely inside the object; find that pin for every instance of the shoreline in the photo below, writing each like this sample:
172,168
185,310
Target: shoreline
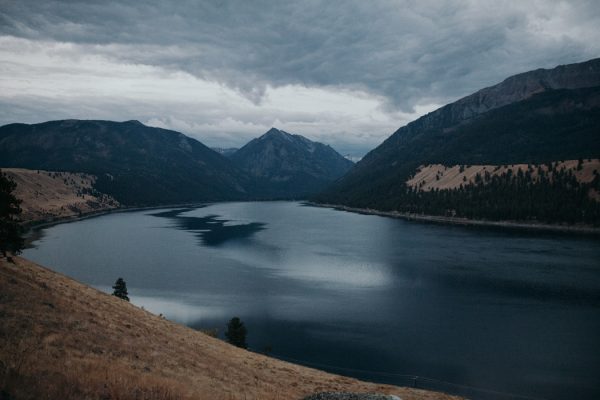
30,225
149,351
525,226
33,225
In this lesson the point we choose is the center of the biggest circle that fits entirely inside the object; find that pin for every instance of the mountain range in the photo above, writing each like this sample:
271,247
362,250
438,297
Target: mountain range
141,165
539,119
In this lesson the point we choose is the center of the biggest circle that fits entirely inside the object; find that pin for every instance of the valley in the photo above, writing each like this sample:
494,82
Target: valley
294,238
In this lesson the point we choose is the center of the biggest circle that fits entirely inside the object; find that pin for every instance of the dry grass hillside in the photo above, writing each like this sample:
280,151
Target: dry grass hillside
438,176
48,195
60,339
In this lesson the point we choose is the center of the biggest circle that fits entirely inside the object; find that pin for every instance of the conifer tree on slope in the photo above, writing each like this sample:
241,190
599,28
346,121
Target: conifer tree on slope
10,229
236,333
120,289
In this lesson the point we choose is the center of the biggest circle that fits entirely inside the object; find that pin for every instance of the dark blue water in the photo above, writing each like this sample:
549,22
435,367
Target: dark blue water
366,296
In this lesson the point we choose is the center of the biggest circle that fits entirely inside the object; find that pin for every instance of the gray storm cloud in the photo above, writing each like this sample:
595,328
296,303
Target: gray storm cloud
405,53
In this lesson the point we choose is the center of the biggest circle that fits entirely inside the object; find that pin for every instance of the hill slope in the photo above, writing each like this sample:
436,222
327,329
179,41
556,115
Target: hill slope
136,164
50,195
60,339
290,166
535,117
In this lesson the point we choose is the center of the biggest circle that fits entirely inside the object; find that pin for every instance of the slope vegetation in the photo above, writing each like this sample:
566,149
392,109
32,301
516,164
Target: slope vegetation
60,339
48,195
440,177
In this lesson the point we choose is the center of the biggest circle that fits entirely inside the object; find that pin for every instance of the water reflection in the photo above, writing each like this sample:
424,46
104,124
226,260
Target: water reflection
210,229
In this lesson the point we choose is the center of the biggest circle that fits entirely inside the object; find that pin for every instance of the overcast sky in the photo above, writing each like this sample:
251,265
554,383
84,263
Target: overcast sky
347,73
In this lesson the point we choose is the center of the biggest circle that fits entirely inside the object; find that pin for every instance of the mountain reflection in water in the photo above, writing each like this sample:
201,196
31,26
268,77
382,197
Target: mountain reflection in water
210,229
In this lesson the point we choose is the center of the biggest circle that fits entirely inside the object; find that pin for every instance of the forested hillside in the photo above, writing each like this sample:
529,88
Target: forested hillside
544,126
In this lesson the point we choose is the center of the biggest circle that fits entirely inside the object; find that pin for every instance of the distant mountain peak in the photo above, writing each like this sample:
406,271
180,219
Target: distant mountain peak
273,131
289,165
276,133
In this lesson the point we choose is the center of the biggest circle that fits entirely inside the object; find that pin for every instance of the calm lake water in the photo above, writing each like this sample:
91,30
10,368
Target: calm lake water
366,296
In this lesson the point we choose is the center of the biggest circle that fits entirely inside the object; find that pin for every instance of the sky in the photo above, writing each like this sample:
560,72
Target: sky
346,73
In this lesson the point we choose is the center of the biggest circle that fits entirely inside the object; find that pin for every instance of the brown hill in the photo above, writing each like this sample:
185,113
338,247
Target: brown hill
48,195
62,339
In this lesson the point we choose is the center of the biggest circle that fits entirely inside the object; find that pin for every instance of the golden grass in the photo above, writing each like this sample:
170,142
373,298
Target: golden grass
451,177
47,194
60,339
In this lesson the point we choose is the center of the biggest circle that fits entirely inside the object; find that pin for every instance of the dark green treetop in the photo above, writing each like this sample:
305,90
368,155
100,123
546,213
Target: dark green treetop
10,229
236,333
120,289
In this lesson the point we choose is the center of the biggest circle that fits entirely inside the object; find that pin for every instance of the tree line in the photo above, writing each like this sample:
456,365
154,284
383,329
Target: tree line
548,195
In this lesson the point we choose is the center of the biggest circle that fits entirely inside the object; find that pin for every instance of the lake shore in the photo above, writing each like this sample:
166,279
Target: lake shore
30,225
112,346
312,382
502,277
46,222
530,226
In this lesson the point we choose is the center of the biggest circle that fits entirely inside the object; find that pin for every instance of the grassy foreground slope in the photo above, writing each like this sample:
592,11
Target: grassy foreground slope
62,339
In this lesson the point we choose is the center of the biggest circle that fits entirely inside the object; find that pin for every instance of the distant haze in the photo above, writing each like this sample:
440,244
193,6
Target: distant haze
347,74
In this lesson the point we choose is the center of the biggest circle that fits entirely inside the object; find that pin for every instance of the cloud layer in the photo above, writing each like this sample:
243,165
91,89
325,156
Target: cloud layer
344,72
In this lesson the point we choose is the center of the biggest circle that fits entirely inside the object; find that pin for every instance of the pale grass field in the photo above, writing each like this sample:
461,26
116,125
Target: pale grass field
48,194
451,177
60,339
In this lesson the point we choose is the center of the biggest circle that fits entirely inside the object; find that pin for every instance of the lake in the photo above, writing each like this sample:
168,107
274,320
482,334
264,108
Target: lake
468,310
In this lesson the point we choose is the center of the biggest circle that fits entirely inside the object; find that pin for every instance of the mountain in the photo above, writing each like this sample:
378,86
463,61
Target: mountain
534,117
134,163
290,166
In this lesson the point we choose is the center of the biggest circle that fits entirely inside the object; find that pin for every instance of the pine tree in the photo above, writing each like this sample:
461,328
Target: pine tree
10,229
120,289
236,333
